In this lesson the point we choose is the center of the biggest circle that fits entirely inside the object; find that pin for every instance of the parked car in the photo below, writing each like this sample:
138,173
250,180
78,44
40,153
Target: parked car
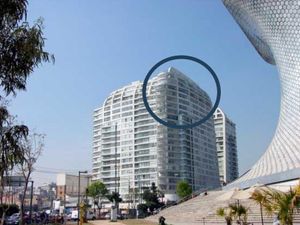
74,215
13,219
90,215
120,216
69,216
107,216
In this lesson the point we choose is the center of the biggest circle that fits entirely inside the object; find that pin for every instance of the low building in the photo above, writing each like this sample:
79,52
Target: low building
67,186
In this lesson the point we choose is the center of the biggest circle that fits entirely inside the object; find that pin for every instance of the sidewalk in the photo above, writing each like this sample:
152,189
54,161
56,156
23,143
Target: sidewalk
104,222
122,222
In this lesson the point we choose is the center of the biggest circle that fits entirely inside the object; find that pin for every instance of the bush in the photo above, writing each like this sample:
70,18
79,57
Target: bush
143,210
183,189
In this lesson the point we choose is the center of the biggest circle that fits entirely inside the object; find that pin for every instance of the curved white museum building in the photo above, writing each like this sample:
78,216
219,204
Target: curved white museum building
273,27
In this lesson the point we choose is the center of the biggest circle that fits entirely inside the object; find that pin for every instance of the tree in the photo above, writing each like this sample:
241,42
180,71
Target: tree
32,149
21,51
97,190
151,198
280,203
239,212
226,213
260,199
114,197
183,189
233,211
21,46
142,209
11,150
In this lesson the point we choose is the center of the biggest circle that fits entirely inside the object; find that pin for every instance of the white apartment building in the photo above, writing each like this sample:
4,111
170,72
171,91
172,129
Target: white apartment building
132,150
226,147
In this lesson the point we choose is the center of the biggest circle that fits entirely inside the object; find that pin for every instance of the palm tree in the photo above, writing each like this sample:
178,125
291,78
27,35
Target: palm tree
227,213
239,211
280,203
243,213
296,200
260,198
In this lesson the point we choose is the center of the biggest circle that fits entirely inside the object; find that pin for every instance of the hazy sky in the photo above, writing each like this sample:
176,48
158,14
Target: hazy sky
101,45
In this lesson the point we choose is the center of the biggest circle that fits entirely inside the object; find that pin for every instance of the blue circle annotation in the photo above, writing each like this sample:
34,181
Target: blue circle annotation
183,126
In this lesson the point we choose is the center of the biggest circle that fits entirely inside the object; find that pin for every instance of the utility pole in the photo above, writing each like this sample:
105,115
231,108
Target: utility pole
86,196
78,203
78,208
65,190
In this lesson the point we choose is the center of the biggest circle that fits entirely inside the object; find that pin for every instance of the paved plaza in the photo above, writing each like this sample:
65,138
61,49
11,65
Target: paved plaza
105,222
123,222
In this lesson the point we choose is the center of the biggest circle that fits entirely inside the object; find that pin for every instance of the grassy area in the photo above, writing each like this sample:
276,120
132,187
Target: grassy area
137,222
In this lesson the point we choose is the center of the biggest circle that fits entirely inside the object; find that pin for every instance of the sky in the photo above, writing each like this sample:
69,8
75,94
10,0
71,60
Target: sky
102,45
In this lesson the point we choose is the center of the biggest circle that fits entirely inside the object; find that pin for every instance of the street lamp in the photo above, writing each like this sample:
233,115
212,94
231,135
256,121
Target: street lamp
78,206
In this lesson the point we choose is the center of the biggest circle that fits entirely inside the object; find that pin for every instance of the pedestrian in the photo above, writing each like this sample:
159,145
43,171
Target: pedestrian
162,220
43,217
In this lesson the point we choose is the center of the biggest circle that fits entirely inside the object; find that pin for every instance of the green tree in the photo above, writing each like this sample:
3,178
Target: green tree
260,199
11,149
233,211
239,212
21,51
21,45
142,208
280,203
114,197
226,213
98,191
183,189
151,198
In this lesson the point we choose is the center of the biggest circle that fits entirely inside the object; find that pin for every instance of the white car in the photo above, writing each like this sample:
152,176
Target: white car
89,215
74,215
107,216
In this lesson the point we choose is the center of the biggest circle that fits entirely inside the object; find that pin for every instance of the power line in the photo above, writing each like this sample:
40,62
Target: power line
57,169
45,171
55,172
